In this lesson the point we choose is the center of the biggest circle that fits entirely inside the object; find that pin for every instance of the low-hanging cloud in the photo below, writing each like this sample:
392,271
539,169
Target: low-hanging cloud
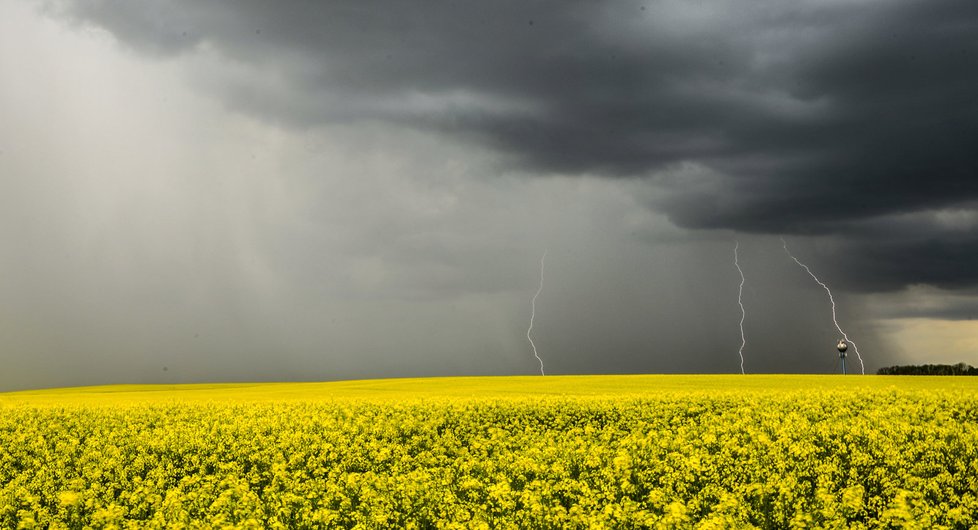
801,118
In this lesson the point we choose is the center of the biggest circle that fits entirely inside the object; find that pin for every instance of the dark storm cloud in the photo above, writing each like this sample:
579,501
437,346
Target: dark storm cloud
759,116
933,247
956,310
873,266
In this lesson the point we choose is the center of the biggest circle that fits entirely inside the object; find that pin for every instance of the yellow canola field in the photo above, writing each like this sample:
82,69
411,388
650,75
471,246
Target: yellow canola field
497,452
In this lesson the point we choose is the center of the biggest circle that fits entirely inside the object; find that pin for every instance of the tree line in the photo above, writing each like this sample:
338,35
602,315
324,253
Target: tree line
929,369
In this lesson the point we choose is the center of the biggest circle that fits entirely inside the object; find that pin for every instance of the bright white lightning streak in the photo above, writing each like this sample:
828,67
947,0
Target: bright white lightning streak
743,312
834,320
533,313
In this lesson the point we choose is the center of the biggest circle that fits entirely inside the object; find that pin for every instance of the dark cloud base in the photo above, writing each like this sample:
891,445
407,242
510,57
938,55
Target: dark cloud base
809,117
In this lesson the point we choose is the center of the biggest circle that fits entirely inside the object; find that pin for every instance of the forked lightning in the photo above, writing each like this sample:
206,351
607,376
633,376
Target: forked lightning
834,320
533,313
743,312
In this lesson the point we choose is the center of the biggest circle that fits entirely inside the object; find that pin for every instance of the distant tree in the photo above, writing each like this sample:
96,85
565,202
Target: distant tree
929,369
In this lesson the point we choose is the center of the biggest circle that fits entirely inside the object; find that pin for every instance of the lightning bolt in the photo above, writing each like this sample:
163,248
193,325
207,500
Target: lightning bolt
740,302
834,320
533,313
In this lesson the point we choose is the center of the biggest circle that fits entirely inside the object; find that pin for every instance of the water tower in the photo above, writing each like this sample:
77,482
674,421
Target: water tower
842,347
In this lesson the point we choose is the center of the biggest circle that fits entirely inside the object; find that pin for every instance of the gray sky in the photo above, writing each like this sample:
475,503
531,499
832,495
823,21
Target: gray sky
246,190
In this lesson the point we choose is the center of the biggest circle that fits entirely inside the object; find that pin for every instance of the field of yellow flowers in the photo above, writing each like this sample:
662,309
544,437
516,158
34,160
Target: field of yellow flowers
497,452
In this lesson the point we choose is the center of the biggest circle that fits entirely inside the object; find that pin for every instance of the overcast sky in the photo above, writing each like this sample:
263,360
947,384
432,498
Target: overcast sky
244,190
